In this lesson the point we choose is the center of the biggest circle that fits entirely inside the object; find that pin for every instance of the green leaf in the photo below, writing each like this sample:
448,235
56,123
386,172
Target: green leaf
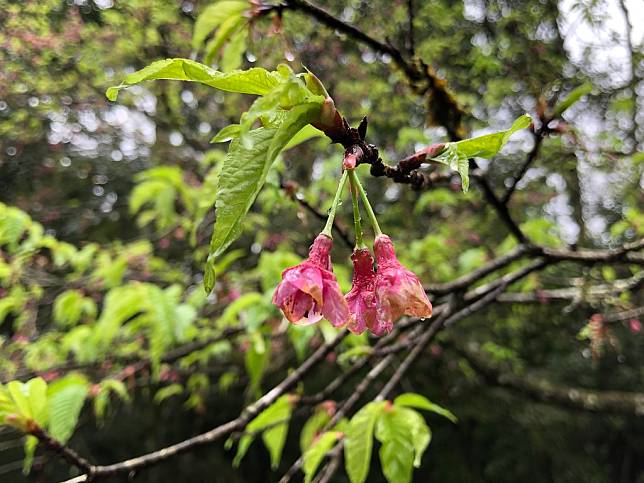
414,400
31,442
421,435
358,442
224,32
37,394
315,454
304,134
232,311
242,176
70,306
573,97
167,392
253,81
19,394
279,411
215,15
231,58
395,433
244,173
298,117
275,105
7,405
226,134
66,397
275,438
312,427
456,155
256,360
102,399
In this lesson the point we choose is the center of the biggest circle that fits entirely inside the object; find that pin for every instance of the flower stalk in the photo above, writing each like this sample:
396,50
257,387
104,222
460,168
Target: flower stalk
328,228
357,222
370,213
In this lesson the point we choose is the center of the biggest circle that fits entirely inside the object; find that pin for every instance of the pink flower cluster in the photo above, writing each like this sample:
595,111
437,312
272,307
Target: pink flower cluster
310,291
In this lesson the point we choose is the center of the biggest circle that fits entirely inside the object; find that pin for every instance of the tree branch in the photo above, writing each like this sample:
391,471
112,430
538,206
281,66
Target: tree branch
575,294
442,105
549,392
62,450
539,136
216,433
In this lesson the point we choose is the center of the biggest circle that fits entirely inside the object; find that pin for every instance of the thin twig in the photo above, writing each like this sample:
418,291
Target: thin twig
532,155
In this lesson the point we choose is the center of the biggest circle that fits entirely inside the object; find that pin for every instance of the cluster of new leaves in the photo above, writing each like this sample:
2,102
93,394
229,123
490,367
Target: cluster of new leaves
456,155
286,107
401,431
54,408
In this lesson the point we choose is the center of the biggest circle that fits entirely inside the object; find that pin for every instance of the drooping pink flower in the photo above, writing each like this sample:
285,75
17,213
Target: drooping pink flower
310,291
361,299
398,291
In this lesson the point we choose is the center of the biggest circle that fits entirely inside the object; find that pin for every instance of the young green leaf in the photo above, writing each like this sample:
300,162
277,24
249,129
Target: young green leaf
275,420
253,81
314,455
243,175
70,306
231,57
256,360
358,442
102,399
304,134
226,134
227,29
66,397
271,108
275,437
421,435
214,15
298,117
573,97
19,392
37,395
312,427
394,431
31,442
7,406
413,400
456,155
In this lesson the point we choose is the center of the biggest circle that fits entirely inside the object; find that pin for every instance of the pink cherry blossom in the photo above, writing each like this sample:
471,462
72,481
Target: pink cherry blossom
398,291
310,291
361,299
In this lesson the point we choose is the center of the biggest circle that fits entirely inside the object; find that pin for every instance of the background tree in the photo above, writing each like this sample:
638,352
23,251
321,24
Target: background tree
535,273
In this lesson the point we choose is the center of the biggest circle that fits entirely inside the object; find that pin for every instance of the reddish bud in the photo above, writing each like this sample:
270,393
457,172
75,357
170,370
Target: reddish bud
329,406
433,150
635,326
352,157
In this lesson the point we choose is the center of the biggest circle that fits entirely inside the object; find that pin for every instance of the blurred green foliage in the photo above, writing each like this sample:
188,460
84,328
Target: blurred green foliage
106,210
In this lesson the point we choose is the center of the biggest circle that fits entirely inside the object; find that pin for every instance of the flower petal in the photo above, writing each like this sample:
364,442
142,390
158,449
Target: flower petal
335,308
307,278
283,291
